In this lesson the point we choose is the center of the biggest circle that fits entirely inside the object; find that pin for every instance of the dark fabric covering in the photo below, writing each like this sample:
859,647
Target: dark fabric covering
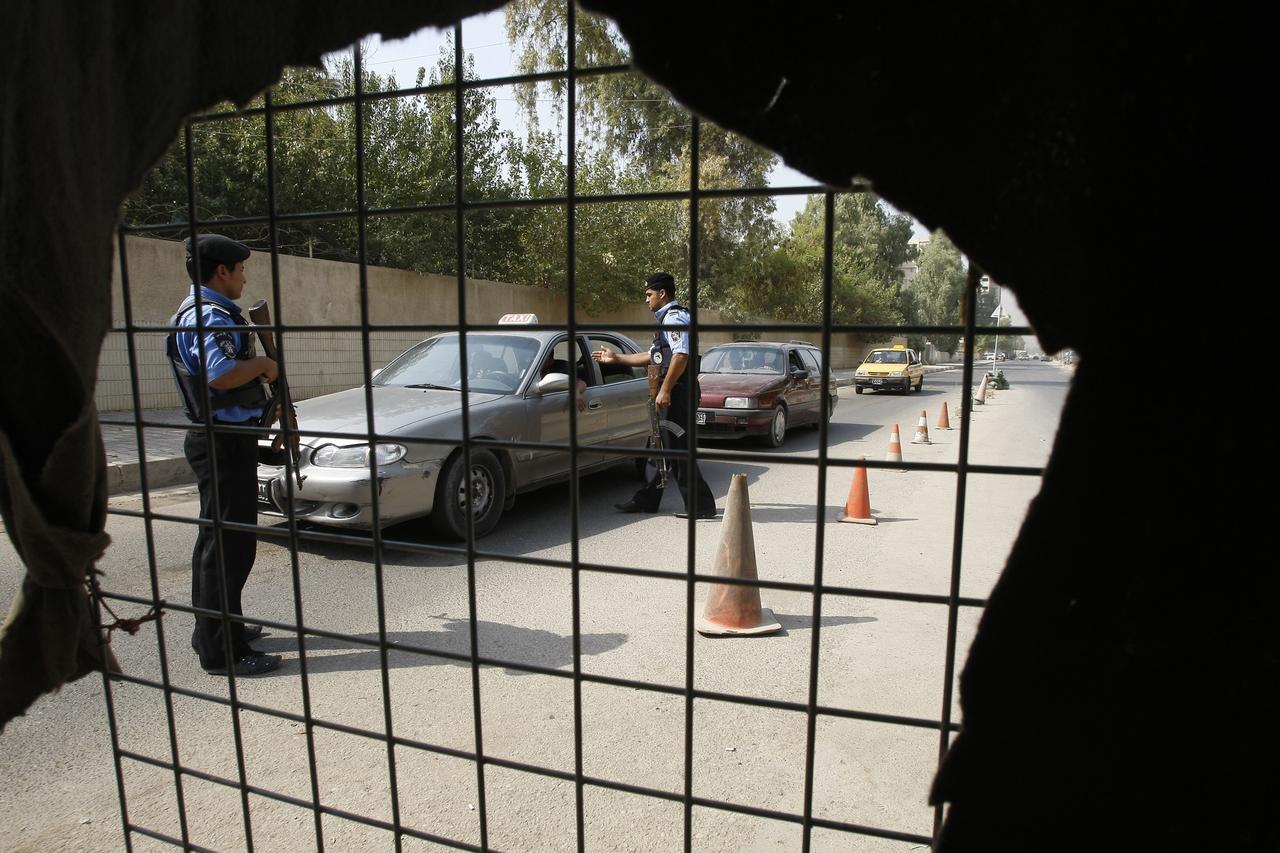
92,95
1109,165
1103,164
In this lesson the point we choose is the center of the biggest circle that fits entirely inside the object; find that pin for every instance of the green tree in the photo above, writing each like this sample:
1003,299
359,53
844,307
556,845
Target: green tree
869,245
636,138
937,291
409,160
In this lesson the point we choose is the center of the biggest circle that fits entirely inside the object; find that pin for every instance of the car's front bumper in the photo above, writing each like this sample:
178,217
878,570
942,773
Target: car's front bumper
726,423
343,497
879,382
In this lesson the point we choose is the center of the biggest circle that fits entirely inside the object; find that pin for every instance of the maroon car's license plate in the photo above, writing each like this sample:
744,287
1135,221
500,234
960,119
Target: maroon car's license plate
702,417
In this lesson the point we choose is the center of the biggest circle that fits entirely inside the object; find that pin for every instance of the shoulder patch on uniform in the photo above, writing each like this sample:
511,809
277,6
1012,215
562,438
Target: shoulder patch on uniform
226,342
675,336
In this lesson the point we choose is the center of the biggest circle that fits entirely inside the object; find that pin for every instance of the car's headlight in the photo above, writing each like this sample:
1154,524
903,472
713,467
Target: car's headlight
739,402
896,373
357,456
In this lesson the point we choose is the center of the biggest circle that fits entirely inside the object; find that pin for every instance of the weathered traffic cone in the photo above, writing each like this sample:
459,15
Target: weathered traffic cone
981,396
735,608
943,421
894,453
857,509
922,430
988,382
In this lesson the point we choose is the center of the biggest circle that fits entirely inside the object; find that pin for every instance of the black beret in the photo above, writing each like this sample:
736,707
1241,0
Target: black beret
215,247
661,281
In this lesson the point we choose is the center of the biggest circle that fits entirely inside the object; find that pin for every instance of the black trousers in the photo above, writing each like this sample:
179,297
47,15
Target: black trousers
237,478
650,495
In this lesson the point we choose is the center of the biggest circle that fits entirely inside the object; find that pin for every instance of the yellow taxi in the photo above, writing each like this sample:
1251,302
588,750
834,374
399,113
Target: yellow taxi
893,367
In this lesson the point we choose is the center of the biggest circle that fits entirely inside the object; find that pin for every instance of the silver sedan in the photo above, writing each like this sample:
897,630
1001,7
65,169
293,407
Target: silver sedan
518,384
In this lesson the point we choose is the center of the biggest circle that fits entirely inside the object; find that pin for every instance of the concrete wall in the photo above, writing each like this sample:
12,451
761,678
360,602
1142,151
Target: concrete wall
327,294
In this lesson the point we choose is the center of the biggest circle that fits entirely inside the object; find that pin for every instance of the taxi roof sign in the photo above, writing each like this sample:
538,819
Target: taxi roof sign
899,346
518,319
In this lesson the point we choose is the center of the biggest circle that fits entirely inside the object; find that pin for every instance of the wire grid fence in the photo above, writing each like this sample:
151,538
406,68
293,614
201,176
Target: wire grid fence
808,705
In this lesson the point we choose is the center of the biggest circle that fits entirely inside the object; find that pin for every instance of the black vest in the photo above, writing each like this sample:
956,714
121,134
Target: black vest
660,352
191,385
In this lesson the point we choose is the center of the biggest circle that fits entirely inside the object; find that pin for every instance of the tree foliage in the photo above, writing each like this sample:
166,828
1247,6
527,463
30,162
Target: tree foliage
636,138
869,244
633,138
408,160
938,289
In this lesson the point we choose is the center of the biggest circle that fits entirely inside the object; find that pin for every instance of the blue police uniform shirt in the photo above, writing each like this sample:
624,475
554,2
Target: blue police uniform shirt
673,314
221,342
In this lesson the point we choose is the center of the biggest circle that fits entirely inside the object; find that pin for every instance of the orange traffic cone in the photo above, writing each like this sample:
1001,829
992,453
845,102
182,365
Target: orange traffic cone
922,430
894,453
943,421
857,510
735,608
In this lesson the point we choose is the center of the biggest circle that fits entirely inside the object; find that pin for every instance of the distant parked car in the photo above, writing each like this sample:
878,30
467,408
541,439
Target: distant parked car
761,388
519,388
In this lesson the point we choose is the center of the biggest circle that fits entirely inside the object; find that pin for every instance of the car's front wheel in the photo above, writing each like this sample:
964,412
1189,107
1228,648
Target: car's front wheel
488,487
778,427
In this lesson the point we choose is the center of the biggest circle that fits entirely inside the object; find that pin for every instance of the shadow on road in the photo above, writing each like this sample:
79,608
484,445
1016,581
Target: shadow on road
505,642
797,622
804,621
773,513
800,438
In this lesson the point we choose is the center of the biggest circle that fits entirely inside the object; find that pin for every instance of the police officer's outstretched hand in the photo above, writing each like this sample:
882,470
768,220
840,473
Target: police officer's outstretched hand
603,355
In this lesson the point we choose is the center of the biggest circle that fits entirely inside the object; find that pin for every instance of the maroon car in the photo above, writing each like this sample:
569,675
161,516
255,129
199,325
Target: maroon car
761,388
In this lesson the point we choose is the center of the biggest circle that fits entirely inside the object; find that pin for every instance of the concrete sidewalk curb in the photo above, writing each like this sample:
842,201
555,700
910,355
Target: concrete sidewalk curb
162,473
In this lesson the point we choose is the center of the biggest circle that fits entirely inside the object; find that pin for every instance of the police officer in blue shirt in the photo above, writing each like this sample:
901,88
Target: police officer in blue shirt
670,352
224,360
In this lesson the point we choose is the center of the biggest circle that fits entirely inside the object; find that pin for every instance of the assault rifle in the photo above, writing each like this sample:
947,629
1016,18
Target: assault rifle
260,314
657,424
655,430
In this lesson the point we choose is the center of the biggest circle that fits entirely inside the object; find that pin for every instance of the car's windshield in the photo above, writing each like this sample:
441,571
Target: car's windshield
497,363
887,356
766,360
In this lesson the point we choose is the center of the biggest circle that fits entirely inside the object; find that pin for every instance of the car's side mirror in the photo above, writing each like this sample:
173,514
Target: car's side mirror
800,374
553,382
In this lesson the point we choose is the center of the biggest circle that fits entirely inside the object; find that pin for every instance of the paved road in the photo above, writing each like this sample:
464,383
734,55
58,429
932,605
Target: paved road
876,655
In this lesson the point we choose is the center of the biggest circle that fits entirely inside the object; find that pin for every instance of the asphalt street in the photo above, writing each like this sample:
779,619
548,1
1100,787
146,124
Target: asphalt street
875,655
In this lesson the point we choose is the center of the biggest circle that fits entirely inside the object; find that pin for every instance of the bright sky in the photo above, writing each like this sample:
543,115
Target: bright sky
485,38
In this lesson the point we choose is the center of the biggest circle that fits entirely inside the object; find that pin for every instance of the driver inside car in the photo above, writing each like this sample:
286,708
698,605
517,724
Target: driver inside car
554,365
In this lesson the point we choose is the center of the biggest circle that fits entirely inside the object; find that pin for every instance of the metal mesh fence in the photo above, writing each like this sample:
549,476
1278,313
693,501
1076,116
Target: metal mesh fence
311,632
